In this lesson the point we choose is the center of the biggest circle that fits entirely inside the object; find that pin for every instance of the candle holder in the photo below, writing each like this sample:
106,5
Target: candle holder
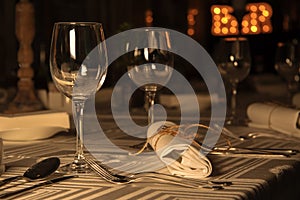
25,99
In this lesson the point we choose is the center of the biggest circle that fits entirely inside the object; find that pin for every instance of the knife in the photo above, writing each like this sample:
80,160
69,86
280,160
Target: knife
49,182
254,151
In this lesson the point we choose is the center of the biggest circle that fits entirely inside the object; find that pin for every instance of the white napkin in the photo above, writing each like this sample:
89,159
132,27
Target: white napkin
181,158
272,116
45,118
33,125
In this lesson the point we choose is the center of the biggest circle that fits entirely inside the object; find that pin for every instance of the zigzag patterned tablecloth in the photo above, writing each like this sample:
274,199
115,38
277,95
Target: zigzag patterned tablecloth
252,177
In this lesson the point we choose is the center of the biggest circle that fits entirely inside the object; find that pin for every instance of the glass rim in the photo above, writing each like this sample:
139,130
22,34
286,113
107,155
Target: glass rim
149,29
78,23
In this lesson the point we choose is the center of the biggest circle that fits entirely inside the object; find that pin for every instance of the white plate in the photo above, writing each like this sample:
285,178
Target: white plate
34,133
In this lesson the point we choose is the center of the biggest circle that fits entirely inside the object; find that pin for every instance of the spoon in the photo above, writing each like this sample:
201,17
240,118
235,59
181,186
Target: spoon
39,170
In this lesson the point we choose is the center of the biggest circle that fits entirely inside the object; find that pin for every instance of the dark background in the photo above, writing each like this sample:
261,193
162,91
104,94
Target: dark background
117,15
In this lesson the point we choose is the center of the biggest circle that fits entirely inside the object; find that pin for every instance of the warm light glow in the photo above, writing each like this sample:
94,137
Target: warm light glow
217,30
253,8
148,17
266,28
262,18
245,23
217,10
191,21
234,23
216,18
190,31
265,13
233,30
194,11
224,22
218,24
225,30
245,30
253,22
224,10
190,17
251,25
261,7
253,29
253,15
256,21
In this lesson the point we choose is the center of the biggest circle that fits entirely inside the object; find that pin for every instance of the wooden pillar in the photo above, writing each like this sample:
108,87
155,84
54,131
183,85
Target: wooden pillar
25,99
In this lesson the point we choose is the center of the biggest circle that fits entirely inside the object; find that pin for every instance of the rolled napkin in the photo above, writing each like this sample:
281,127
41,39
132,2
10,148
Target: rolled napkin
275,117
180,157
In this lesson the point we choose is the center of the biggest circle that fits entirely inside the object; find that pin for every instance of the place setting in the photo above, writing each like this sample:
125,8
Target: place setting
159,101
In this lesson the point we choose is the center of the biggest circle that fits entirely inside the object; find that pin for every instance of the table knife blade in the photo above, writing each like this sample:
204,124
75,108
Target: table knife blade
44,183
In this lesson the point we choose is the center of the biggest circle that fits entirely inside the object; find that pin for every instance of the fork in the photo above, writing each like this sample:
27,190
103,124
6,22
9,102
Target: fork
111,177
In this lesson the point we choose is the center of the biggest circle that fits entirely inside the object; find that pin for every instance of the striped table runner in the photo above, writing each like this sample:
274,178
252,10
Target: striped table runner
252,177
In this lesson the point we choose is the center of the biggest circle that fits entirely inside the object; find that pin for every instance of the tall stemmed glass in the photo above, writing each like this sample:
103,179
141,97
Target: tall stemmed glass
78,65
287,65
234,61
150,68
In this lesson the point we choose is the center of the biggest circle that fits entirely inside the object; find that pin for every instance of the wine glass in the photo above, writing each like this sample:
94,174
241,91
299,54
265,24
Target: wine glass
287,65
151,67
78,65
233,61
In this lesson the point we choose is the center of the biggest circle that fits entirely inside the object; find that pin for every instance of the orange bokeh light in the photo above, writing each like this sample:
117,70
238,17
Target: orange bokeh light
266,28
254,29
225,30
190,31
217,10
234,23
224,10
224,20
253,8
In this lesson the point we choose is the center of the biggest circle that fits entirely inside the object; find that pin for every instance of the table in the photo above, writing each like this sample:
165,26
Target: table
253,177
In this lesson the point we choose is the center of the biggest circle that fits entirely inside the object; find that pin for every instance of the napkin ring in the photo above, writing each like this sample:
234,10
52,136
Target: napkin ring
183,132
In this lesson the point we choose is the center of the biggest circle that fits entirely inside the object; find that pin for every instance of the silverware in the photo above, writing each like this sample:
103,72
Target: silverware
264,152
44,183
39,170
252,150
254,135
255,151
109,176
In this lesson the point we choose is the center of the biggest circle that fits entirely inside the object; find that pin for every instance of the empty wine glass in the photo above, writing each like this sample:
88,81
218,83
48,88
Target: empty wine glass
233,60
287,65
78,65
151,67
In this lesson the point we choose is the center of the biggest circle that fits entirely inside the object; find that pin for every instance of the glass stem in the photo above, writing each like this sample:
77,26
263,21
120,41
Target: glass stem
150,95
233,100
292,88
79,106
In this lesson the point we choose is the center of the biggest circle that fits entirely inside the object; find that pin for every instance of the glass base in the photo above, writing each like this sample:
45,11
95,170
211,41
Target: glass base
234,121
78,166
231,121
